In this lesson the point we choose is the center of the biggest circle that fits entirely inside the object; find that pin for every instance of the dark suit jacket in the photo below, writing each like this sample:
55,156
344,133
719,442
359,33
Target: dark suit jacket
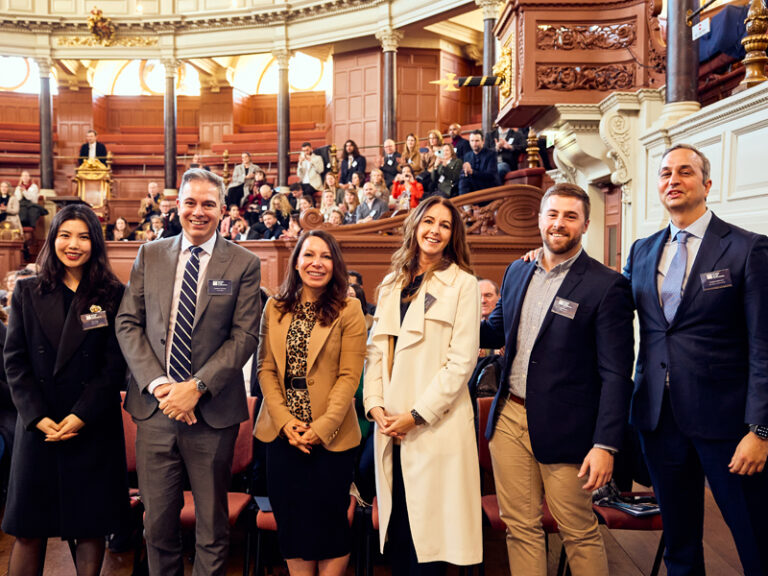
461,147
509,156
446,177
172,224
389,168
101,153
484,171
347,169
716,348
224,334
579,374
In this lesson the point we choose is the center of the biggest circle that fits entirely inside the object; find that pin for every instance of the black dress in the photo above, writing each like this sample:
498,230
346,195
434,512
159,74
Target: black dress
309,493
75,488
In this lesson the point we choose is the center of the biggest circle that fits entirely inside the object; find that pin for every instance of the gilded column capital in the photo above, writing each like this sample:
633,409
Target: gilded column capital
490,8
44,65
282,57
389,38
171,67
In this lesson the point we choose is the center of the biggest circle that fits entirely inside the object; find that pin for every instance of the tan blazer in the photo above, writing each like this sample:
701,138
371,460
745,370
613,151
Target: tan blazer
334,365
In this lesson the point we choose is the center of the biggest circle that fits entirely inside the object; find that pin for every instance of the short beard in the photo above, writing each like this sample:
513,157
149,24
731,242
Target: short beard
567,247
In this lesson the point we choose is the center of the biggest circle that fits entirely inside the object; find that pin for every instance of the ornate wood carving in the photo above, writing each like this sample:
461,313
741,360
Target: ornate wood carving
585,37
585,77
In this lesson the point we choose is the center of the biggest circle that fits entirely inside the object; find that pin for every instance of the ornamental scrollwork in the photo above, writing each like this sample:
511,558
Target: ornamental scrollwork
585,77
587,37
125,41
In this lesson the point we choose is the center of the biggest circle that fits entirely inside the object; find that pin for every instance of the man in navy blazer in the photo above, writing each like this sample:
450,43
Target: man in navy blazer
563,403
701,384
479,170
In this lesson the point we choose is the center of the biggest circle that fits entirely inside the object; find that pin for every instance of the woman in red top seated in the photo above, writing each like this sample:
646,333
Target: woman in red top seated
406,190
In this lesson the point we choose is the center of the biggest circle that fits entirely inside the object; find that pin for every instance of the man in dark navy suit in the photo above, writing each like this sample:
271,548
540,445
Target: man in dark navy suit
92,149
479,170
563,402
701,385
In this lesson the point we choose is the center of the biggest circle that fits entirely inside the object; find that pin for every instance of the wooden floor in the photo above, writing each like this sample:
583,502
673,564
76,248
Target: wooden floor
629,553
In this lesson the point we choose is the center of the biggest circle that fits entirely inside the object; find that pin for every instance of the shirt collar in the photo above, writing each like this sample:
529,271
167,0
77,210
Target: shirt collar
563,266
697,229
207,246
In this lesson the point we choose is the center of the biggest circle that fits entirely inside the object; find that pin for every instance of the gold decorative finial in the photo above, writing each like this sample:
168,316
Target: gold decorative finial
755,43
101,27
450,82
533,149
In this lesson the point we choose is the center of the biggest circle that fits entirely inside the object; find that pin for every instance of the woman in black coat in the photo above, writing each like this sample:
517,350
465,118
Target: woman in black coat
65,370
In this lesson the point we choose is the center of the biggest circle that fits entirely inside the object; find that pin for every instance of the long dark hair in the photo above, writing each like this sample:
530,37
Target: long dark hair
334,297
405,260
98,285
355,149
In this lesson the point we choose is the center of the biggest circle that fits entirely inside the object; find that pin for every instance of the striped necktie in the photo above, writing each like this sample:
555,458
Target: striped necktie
672,287
180,367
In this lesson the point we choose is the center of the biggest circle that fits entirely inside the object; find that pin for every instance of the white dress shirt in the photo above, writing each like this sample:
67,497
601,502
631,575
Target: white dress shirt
92,150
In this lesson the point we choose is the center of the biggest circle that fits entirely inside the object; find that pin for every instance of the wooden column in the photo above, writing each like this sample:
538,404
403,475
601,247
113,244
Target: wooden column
46,124
169,119
490,93
282,57
682,54
389,39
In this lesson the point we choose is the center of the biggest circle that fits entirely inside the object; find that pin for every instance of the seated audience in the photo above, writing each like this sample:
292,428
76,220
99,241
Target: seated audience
294,228
147,206
259,179
309,169
232,214
197,164
9,206
406,190
411,155
92,149
336,218
434,151
156,227
269,229
170,217
238,230
265,195
508,145
350,205
372,208
154,192
332,184
280,205
356,185
446,173
354,277
479,168
243,177
328,204
377,179
27,189
460,145
295,193
119,230
390,162
352,162
305,203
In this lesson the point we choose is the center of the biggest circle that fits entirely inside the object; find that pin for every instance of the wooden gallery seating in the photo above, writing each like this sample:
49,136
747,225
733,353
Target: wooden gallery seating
20,150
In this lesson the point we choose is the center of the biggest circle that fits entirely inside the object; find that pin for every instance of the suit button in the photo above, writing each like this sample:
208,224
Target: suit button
162,341
40,350
664,365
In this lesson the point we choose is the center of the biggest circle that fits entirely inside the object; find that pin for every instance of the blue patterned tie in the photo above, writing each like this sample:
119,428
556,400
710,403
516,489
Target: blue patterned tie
181,349
672,287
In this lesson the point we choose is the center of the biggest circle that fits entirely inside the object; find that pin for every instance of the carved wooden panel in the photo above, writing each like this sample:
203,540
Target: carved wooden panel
585,77
585,36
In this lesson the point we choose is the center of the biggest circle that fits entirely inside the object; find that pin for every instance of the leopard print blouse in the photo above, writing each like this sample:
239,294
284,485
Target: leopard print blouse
296,351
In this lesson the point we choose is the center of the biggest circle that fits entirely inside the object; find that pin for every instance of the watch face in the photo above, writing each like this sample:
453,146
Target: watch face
762,431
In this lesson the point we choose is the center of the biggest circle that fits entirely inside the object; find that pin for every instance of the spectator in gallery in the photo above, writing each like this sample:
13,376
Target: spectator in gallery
243,177
197,164
154,192
327,204
446,173
265,195
26,188
508,145
294,193
92,149
238,231
460,145
411,155
156,227
372,208
170,218
382,191
226,223
9,206
280,205
332,184
352,162
406,190
147,207
309,169
336,218
356,185
389,162
119,231
268,229
479,169
259,179
351,202
434,150
305,203
294,228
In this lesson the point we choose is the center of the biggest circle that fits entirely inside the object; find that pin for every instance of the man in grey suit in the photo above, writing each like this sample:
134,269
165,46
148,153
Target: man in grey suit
187,324
371,208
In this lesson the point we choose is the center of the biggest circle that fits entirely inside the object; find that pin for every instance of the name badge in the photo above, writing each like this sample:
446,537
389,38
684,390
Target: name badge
389,162
716,279
565,308
354,163
220,287
428,301
441,179
93,321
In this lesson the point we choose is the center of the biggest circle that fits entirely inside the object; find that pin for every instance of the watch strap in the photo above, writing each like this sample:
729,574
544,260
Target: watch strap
759,430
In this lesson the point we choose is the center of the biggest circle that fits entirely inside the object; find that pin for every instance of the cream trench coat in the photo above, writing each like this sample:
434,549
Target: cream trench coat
435,355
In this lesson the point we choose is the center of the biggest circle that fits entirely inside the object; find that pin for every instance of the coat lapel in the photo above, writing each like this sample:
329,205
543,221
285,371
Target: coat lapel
169,260
50,314
217,266
72,336
651,273
316,341
277,333
572,279
412,329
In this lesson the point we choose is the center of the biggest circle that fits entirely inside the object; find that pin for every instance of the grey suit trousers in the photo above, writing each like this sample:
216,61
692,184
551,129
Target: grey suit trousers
164,449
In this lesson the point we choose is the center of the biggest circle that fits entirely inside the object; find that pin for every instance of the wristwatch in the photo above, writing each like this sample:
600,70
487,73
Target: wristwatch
761,431
201,387
417,418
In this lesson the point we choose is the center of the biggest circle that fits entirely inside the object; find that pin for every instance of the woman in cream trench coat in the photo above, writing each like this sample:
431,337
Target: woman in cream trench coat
435,354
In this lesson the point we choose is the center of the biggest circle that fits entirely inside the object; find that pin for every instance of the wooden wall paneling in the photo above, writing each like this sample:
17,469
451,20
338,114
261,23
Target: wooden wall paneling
417,99
241,110
308,107
21,108
100,113
187,111
356,108
462,106
264,108
216,116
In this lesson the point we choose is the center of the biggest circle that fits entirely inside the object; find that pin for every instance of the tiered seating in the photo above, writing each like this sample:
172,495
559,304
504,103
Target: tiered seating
20,149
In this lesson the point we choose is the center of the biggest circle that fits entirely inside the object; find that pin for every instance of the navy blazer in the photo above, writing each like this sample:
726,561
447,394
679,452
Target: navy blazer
101,153
485,173
358,165
716,347
580,370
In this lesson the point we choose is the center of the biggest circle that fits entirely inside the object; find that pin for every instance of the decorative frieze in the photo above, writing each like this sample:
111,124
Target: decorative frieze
585,37
585,77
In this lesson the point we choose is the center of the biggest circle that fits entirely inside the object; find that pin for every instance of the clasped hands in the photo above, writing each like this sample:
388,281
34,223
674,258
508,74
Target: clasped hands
300,435
178,401
394,425
64,430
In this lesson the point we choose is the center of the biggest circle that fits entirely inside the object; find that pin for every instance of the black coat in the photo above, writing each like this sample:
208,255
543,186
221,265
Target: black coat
101,153
77,487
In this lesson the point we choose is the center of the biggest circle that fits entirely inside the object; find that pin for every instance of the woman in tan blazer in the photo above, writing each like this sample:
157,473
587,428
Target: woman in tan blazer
422,350
310,358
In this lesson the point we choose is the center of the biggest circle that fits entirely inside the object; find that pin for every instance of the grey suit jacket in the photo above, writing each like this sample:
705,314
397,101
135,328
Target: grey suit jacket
224,335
